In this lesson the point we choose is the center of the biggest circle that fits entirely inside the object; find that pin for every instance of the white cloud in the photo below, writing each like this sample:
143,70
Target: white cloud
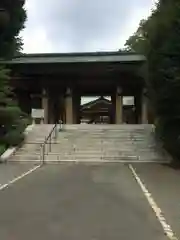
37,41
79,25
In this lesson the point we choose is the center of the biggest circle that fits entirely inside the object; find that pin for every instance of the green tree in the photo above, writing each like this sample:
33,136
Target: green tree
12,120
12,18
158,38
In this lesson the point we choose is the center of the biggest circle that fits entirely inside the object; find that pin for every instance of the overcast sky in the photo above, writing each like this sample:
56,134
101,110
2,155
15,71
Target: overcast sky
81,25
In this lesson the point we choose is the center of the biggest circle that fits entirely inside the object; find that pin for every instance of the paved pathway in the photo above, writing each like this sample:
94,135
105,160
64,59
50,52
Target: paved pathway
164,184
77,201
10,171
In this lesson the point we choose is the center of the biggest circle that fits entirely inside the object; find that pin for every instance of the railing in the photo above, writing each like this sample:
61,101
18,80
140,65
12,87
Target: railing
46,147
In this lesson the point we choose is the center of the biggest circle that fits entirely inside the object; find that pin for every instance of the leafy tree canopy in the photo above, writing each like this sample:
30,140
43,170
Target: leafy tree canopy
12,122
158,37
12,18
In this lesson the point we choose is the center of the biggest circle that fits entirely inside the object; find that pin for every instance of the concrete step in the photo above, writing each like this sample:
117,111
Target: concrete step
97,148
25,157
92,158
90,150
93,143
92,155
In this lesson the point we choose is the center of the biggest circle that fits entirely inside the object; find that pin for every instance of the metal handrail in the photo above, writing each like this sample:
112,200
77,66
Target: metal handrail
48,140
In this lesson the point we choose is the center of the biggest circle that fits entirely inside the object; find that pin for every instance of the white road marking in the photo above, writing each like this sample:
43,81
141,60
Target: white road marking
166,227
19,177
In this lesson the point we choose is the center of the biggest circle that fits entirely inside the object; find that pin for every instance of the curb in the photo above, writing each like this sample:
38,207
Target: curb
11,150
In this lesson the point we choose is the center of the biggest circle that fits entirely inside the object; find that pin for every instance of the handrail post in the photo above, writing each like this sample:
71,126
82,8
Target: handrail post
43,153
60,125
56,129
101,149
50,143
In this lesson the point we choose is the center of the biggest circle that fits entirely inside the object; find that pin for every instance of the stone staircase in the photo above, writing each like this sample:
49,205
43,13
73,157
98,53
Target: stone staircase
31,148
117,143
94,143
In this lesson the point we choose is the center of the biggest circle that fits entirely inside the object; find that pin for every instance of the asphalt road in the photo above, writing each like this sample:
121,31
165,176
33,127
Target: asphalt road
163,182
10,171
78,202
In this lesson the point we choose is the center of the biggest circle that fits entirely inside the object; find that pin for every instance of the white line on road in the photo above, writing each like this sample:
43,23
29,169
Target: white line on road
19,177
166,227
